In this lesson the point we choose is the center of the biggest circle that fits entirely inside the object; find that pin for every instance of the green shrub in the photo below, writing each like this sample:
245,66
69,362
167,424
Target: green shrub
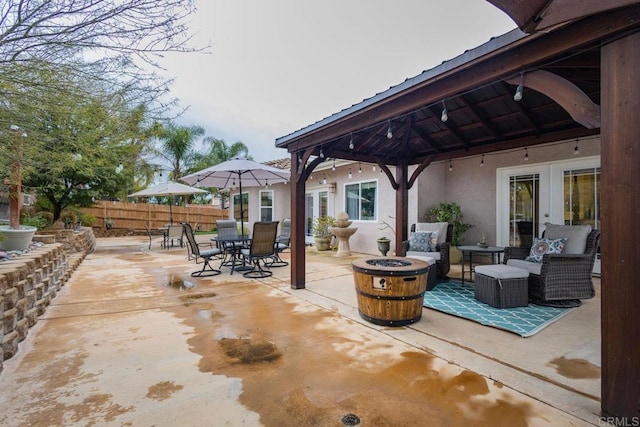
33,221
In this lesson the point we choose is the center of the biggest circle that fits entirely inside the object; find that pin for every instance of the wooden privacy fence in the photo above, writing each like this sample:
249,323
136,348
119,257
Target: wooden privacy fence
136,216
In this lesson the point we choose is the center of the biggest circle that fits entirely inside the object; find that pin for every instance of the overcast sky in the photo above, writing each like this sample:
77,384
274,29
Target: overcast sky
276,66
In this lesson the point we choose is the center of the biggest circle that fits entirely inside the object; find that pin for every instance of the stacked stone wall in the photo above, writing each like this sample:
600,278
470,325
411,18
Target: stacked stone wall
29,282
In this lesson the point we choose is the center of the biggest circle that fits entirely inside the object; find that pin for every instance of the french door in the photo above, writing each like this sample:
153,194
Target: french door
563,192
316,205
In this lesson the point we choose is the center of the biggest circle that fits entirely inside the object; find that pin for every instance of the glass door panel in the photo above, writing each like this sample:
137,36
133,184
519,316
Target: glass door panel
582,197
524,206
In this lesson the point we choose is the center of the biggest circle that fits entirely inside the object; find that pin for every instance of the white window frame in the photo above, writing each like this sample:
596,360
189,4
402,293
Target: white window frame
375,207
272,207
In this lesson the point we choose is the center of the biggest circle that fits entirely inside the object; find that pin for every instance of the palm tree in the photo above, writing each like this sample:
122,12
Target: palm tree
178,147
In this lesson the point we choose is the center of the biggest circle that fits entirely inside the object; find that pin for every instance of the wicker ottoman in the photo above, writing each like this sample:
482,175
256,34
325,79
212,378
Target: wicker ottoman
502,286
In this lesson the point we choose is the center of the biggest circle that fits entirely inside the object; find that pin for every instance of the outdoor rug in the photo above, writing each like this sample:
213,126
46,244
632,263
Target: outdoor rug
452,298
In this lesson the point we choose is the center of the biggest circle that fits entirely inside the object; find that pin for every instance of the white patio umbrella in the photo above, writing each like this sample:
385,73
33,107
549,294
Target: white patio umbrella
169,188
237,172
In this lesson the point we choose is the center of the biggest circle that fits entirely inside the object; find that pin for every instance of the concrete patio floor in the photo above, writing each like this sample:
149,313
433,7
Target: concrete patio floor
132,339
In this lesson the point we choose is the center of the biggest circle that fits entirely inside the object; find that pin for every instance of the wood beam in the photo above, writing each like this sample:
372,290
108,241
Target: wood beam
297,224
620,234
566,94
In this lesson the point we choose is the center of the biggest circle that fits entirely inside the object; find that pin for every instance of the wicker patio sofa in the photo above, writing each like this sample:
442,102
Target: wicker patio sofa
560,280
441,254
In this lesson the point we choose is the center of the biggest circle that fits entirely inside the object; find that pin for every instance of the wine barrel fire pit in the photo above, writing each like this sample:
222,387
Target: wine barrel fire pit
390,290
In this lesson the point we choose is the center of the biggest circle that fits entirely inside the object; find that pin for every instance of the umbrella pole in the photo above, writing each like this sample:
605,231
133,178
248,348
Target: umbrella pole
241,207
171,209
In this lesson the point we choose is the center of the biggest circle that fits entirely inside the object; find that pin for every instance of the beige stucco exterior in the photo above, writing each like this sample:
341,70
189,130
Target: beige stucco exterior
469,184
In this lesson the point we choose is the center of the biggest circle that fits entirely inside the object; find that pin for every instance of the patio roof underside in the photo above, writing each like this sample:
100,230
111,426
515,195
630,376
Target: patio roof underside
477,89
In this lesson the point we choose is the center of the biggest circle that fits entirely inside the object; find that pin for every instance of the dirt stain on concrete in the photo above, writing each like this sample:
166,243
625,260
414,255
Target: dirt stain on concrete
163,390
304,366
576,368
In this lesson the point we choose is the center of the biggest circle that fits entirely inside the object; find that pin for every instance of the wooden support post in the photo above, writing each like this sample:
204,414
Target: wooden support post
297,224
620,232
402,205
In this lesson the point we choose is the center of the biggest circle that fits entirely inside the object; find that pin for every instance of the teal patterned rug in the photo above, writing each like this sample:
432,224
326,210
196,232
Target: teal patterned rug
452,298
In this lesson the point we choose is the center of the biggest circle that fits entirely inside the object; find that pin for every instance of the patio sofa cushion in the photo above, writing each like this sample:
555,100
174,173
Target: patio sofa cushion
424,256
576,236
440,227
544,246
531,267
423,241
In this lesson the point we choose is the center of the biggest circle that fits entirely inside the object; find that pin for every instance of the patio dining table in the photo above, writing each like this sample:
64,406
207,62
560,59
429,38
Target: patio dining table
231,247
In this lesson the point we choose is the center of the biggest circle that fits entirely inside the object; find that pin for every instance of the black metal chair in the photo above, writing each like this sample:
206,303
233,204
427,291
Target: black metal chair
282,243
206,256
262,246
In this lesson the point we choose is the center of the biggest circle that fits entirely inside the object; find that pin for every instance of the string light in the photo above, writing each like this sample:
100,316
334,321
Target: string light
445,116
518,95
575,150
324,180
359,168
389,133
482,161
373,168
526,154
350,174
333,168
321,152
450,166
351,142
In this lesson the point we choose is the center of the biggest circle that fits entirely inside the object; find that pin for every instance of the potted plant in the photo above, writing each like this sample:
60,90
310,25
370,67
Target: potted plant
451,213
322,232
108,223
16,236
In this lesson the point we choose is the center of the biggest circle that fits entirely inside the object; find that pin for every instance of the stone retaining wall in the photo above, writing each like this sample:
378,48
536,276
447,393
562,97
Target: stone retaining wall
30,281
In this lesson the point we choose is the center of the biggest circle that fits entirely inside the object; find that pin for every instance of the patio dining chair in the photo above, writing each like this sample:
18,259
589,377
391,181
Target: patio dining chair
262,247
174,232
282,243
207,255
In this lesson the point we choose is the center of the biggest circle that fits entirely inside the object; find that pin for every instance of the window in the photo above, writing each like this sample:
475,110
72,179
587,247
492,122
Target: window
237,205
360,200
266,205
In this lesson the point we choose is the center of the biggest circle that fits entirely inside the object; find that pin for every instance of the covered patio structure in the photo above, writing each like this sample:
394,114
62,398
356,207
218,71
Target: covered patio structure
575,79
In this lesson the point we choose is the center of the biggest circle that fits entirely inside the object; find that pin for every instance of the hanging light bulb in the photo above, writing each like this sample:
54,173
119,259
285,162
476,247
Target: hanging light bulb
389,133
373,168
450,166
445,116
575,150
324,180
526,154
351,143
321,153
359,168
266,184
482,161
233,184
350,174
333,168
518,95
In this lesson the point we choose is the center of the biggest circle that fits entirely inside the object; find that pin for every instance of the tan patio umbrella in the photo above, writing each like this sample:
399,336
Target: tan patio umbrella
237,172
169,188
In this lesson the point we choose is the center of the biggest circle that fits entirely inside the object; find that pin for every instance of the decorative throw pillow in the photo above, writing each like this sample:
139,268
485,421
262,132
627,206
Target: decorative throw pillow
545,246
423,241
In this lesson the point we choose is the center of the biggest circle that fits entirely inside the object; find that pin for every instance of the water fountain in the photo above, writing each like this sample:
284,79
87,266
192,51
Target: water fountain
342,232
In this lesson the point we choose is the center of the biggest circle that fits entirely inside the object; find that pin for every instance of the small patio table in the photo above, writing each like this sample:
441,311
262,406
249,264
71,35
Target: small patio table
469,250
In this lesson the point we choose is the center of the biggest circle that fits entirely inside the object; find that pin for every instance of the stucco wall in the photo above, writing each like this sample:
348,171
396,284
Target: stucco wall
470,185
473,186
